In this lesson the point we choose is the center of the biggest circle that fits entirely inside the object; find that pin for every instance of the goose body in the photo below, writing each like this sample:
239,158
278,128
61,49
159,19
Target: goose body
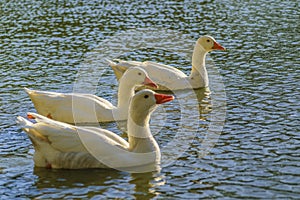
61,145
88,108
170,78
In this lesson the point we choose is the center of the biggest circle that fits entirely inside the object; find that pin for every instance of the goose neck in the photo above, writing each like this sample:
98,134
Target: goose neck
125,92
198,60
138,126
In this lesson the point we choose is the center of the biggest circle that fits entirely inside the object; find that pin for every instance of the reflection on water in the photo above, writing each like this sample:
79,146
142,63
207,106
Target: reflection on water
145,184
42,46
52,183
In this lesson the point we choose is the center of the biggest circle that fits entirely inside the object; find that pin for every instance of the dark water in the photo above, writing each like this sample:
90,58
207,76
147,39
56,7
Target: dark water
44,43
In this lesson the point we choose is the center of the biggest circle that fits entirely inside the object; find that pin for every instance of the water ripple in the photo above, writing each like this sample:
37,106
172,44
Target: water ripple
42,45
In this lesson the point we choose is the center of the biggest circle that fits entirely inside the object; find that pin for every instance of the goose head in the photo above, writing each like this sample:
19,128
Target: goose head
139,76
143,103
208,43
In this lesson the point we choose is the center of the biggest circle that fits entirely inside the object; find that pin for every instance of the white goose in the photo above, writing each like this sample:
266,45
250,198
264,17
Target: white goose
170,78
61,145
88,108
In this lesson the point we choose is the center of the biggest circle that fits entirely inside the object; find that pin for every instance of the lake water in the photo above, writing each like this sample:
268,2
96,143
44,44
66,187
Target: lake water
60,45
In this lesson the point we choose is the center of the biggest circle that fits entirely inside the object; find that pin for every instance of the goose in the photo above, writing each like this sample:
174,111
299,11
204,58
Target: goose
170,78
87,108
64,146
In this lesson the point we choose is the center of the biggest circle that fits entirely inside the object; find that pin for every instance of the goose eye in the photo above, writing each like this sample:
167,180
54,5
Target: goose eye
207,40
139,73
146,96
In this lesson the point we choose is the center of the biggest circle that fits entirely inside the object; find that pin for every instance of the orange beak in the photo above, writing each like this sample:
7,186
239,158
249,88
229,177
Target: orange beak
29,116
163,98
150,83
217,46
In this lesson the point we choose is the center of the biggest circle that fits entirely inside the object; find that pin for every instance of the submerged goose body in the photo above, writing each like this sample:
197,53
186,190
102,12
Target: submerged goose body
88,108
61,145
170,78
